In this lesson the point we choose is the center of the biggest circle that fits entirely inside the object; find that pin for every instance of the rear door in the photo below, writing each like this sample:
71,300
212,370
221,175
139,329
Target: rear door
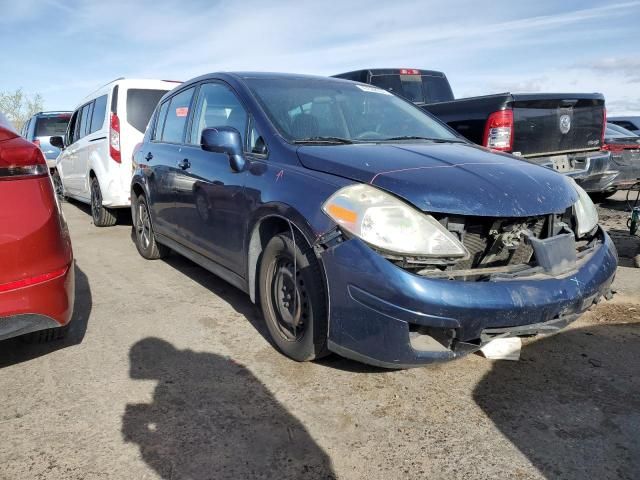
161,157
546,124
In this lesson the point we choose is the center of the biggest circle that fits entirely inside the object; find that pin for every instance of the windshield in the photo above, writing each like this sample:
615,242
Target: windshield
334,111
52,126
416,88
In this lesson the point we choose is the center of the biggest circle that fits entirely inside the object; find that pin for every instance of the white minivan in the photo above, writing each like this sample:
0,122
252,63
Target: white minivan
95,164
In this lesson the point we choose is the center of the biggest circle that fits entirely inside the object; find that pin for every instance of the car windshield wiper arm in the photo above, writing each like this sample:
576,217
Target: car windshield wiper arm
415,137
331,140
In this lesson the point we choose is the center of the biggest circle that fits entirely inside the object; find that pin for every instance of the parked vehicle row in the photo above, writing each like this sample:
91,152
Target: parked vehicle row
37,271
562,131
360,223
624,146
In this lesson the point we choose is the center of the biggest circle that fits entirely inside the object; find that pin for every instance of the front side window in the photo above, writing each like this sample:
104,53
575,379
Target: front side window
177,115
321,110
217,106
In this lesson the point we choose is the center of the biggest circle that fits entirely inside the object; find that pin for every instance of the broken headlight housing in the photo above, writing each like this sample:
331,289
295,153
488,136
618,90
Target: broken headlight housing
585,212
388,224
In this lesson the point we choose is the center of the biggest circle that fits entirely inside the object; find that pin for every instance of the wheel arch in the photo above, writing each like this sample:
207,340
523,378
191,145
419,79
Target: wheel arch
265,227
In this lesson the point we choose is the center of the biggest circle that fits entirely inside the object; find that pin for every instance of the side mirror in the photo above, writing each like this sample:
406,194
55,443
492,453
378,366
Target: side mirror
57,142
225,140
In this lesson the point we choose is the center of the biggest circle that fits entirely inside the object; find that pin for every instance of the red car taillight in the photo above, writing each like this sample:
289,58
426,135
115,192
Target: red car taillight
498,131
114,138
19,158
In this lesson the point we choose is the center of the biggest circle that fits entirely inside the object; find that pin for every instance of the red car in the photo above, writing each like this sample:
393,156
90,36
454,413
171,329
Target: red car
36,259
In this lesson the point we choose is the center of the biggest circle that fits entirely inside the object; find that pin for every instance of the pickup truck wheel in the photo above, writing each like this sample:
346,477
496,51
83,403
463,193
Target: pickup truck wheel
102,217
293,298
144,236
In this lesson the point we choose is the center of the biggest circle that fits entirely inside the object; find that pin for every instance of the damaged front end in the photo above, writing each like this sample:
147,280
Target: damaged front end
521,277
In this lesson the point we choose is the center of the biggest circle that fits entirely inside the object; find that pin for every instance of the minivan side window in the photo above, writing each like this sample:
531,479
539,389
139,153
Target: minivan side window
162,114
177,116
218,106
98,115
87,111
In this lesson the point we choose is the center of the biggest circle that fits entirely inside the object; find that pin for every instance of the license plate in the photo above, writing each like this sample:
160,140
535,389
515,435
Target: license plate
561,163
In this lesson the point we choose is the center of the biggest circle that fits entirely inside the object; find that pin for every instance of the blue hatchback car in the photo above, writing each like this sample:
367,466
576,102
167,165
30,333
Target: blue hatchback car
361,224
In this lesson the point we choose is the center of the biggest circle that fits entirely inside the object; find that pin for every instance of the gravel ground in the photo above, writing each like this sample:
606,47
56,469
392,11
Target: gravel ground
168,373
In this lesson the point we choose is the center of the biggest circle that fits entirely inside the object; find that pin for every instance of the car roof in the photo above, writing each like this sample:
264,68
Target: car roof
52,112
263,75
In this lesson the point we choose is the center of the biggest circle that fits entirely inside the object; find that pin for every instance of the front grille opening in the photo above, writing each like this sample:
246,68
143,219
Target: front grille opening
430,338
495,246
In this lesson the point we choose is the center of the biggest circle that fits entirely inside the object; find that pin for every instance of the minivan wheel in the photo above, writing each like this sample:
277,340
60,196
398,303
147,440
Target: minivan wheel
144,237
102,217
57,185
293,298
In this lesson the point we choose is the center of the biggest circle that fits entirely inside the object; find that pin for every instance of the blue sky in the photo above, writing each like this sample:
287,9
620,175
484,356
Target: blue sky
66,48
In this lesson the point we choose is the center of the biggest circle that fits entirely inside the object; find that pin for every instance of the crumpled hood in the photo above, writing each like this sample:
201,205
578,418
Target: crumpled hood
448,178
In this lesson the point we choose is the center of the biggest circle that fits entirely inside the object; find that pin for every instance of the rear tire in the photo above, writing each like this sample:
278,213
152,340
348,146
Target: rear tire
46,336
102,216
294,302
145,238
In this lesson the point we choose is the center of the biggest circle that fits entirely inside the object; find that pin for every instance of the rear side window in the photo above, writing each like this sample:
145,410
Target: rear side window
177,116
99,110
140,105
52,126
162,114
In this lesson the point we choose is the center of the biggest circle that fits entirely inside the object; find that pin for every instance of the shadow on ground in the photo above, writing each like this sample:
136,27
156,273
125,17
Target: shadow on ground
15,351
211,418
572,404
242,304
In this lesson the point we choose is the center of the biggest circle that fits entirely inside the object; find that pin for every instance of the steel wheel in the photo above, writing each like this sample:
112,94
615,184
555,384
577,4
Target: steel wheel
289,300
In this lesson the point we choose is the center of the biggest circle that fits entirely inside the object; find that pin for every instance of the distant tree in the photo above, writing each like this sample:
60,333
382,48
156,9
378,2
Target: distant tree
19,106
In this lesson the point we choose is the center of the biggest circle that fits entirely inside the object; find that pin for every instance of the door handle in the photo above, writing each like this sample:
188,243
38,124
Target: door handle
148,156
184,164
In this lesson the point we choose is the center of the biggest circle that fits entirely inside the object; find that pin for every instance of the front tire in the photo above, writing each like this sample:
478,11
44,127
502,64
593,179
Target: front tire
102,216
145,238
293,300
57,185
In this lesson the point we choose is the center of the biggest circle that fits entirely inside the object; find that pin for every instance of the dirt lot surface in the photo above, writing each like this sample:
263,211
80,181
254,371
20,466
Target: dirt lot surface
168,373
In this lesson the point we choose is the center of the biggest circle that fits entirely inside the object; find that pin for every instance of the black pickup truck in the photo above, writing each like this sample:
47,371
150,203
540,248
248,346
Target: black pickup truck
563,131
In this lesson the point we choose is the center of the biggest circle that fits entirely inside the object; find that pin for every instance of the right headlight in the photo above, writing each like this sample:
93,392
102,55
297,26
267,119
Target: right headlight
389,224
585,211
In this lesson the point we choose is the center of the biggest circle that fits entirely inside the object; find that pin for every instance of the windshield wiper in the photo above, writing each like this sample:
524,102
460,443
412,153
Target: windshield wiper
415,137
329,140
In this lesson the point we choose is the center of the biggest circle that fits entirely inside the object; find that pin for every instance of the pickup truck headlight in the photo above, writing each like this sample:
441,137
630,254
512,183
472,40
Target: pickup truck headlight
387,223
585,212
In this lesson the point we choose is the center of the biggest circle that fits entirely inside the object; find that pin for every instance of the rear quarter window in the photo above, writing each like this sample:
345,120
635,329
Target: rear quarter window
140,105
98,114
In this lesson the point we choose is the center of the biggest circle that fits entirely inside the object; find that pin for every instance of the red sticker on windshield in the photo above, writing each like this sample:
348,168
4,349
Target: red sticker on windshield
182,111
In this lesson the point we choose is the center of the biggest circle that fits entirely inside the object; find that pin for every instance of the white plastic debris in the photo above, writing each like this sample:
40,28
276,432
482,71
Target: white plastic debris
503,349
